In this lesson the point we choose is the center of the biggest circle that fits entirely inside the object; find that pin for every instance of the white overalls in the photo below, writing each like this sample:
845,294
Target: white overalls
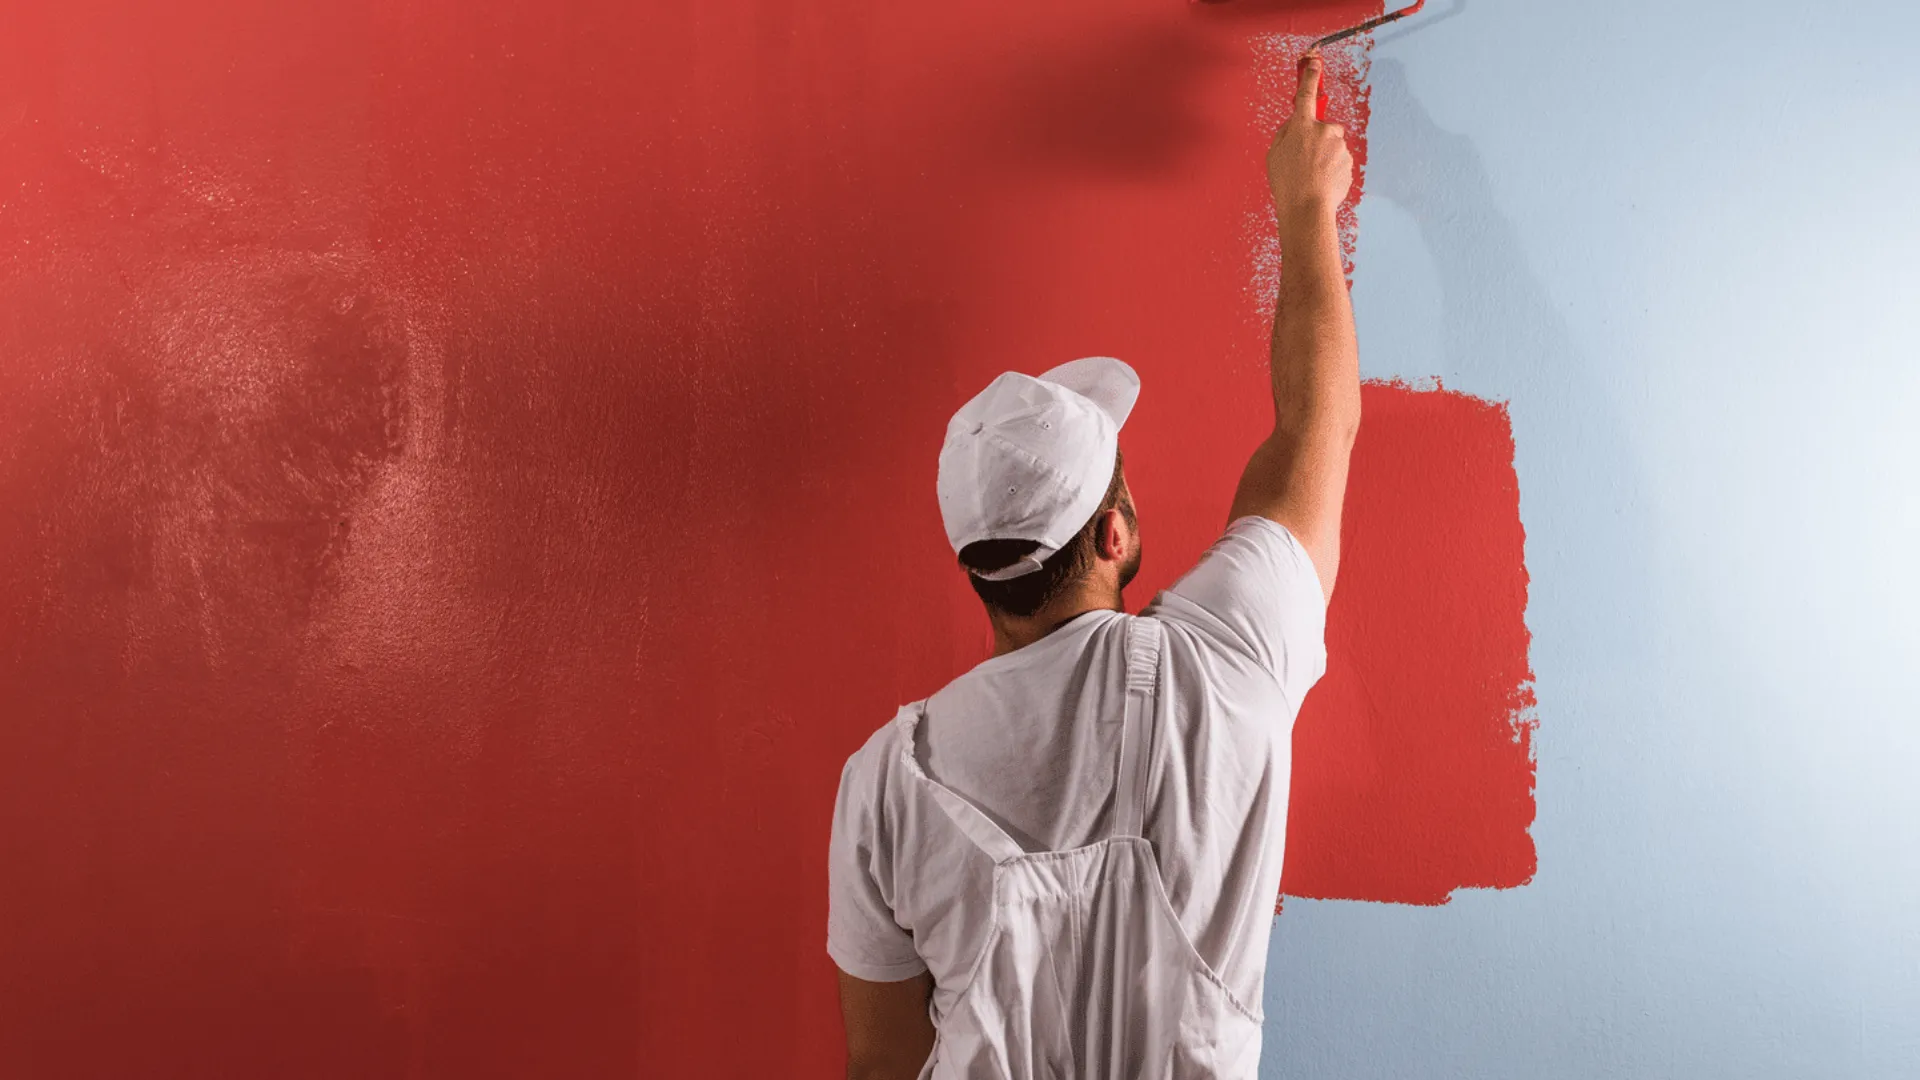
1086,974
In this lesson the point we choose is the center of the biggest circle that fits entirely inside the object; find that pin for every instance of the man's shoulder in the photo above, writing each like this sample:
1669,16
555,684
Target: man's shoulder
869,768
1252,604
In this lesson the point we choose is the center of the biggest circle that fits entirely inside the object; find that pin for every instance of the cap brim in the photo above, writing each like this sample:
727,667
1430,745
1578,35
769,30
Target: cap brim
1111,384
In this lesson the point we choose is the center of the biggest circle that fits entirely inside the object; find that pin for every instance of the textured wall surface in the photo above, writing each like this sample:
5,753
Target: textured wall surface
466,483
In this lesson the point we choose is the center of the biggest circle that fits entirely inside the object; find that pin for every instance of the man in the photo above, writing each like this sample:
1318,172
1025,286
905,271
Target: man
1064,863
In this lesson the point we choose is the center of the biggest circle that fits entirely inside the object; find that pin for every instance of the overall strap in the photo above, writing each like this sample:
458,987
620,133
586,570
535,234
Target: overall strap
1143,641
972,821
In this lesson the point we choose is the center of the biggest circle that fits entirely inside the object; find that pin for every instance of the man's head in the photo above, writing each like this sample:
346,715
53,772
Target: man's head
1103,556
1032,491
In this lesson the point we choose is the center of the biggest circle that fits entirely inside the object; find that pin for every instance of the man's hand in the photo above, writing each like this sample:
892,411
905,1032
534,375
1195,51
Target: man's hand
1308,164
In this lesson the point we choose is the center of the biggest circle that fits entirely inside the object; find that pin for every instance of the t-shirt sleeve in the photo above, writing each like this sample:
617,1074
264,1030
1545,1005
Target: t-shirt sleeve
862,936
1255,592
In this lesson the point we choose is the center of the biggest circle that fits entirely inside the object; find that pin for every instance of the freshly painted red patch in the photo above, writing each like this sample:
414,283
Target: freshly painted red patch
1413,770
466,484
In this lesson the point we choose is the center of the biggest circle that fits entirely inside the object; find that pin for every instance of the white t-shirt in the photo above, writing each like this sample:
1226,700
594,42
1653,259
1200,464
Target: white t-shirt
1032,737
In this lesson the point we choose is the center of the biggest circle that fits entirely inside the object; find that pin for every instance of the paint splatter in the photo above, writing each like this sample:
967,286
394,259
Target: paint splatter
1344,82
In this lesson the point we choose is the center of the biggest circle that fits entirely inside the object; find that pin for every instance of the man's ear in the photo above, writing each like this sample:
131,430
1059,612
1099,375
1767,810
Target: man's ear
1108,538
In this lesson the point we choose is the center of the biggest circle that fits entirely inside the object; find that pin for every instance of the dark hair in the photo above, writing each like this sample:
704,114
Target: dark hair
1028,593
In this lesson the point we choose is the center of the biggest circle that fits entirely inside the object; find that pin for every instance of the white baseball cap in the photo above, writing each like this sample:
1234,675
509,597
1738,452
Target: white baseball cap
1031,458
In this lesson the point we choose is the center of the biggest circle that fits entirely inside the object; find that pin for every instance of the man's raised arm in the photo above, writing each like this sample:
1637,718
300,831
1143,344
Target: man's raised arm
1298,475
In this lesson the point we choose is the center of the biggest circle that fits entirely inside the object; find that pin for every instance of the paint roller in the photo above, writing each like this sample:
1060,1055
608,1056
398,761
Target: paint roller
1370,24
1320,105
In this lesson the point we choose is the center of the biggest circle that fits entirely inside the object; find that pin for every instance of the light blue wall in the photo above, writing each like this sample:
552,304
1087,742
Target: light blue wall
1680,240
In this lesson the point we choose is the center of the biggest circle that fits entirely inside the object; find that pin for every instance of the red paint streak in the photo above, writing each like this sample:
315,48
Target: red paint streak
1413,771
466,484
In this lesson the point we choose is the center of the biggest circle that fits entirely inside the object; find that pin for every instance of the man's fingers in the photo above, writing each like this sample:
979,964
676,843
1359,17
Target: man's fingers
1309,92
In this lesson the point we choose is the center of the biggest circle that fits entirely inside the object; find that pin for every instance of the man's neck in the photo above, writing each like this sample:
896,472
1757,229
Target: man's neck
1012,632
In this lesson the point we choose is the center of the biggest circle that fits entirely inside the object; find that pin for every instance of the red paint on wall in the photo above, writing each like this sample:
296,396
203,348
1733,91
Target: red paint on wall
1414,768
466,484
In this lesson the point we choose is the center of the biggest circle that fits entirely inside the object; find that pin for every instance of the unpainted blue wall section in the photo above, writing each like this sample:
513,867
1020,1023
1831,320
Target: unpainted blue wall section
1680,241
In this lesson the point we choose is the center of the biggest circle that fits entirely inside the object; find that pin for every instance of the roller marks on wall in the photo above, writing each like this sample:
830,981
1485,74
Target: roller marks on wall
1413,771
